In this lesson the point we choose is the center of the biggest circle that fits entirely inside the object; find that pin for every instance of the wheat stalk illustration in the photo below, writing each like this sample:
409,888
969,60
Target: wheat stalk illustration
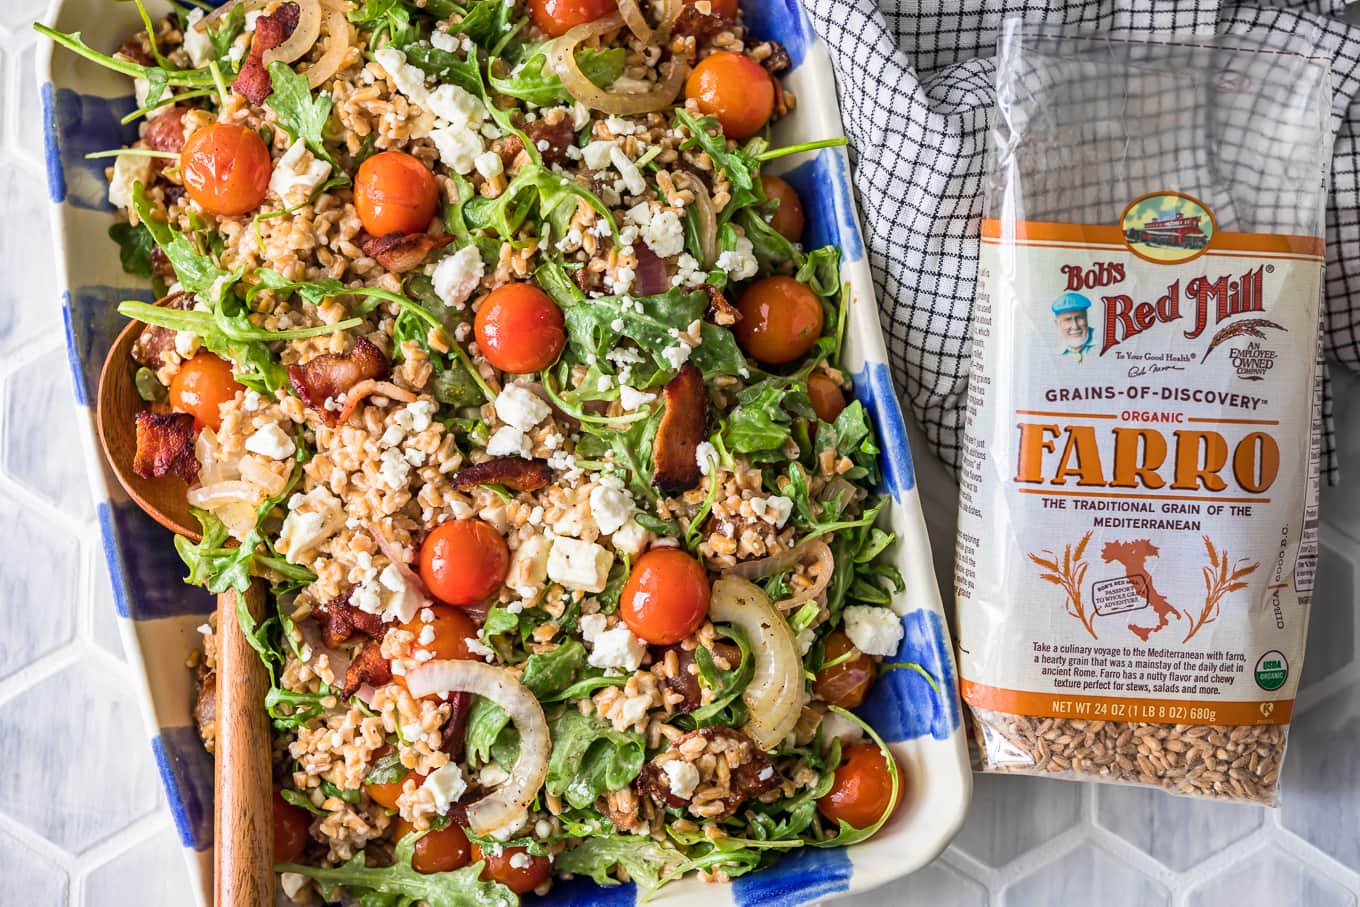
1069,576
1219,580
1252,327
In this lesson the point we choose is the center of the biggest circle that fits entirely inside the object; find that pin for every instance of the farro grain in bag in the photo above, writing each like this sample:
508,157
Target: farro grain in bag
1138,505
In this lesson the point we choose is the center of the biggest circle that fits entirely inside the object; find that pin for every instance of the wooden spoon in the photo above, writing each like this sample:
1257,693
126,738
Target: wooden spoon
163,499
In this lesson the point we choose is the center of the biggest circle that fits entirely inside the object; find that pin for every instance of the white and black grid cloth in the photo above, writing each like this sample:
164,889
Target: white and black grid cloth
916,83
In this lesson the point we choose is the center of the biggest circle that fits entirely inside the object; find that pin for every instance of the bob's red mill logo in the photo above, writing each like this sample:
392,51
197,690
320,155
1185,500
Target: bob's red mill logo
1212,300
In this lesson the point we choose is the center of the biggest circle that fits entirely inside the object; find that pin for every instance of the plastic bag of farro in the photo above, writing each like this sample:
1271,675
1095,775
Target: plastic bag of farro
1138,507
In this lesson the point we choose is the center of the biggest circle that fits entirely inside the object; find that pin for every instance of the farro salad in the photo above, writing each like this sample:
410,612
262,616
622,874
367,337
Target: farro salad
485,343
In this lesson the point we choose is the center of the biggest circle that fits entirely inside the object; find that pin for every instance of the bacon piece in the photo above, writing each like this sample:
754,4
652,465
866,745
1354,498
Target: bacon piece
684,426
551,140
368,667
340,621
724,312
508,147
165,444
329,375
701,26
745,780
253,82
402,252
365,389
154,341
512,472
651,272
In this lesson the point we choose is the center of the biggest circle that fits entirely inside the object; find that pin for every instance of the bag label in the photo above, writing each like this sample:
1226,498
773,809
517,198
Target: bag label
1142,412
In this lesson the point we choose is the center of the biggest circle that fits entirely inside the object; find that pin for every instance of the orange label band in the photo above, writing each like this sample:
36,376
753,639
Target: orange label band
1117,708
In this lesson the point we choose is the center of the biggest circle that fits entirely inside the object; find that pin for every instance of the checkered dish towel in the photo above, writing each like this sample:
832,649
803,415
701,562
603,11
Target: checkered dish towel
916,82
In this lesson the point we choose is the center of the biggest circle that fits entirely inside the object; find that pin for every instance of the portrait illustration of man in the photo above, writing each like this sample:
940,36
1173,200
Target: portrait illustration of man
1070,317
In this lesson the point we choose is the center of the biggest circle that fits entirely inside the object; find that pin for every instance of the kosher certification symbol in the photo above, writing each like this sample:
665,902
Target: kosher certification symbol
1271,670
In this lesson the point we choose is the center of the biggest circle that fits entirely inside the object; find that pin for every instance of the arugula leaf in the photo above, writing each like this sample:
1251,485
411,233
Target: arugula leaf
498,621
589,757
532,80
379,886
225,34
188,78
741,168
297,798
134,247
196,272
545,674
534,189
385,16
645,860
299,114
447,67
386,770
726,686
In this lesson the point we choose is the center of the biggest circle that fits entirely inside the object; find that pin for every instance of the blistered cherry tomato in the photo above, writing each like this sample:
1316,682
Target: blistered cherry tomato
443,850
844,684
725,8
202,385
501,868
387,794
225,169
290,830
557,17
450,629
780,320
788,216
735,89
666,596
827,397
862,787
464,561
519,329
395,193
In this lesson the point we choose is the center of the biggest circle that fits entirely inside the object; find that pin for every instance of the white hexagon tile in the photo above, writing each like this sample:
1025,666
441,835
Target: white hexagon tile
83,821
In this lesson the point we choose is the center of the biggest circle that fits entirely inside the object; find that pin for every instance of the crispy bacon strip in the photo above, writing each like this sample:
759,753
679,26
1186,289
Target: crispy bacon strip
701,26
402,252
365,389
368,667
253,82
329,375
165,444
684,426
340,621
512,472
724,312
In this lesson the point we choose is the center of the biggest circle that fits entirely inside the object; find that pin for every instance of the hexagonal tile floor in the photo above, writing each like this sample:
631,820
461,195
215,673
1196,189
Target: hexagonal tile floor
82,819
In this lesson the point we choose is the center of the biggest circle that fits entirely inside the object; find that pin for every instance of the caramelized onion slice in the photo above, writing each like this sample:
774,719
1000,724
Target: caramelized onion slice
303,37
506,804
706,216
775,695
336,27
632,14
562,57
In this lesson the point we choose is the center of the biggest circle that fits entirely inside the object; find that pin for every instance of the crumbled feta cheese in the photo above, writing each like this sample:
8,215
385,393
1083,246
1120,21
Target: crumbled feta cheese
251,401
456,276
479,648
688,273
678,354
292,883
459,146
489,165
271,441
630,538
610,505
529,565
580,116
393,469
392,436
592,625
520,860
297,174
127,170
445,785
509,441
187,343
632,177
597,156
661,229
778,510
391,579
631,398
579,565
410,81
426,635
518,406
444,41
312,519
617,648
706,455
766,773
416,416
873,630
739,263
805,639
197,44
683,778
455,105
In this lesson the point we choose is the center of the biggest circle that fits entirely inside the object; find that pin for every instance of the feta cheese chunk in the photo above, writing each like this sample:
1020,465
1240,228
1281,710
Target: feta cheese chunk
592,625
187,343
630,538
610,505
297,175
445,785
127,170
271,441
873,630
455,105
706,456
459,146
312,519
509,441
529,565
197,44
661,229
628,171
631,398
683,778
579,565
518,406
598,154
617,648
739,263
457,276
489,165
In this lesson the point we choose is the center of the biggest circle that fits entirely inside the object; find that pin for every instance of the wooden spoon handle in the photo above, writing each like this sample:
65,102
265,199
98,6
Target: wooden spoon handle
244,814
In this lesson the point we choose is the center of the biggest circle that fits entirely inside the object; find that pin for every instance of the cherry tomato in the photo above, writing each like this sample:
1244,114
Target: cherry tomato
464,561
827,397
443,850
519,879
844,684
735,89
557,17
395,193
387,794
225,169
202,385
519,329
862,787
780,320
291,825
725,8
788,216
451,629
666,596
